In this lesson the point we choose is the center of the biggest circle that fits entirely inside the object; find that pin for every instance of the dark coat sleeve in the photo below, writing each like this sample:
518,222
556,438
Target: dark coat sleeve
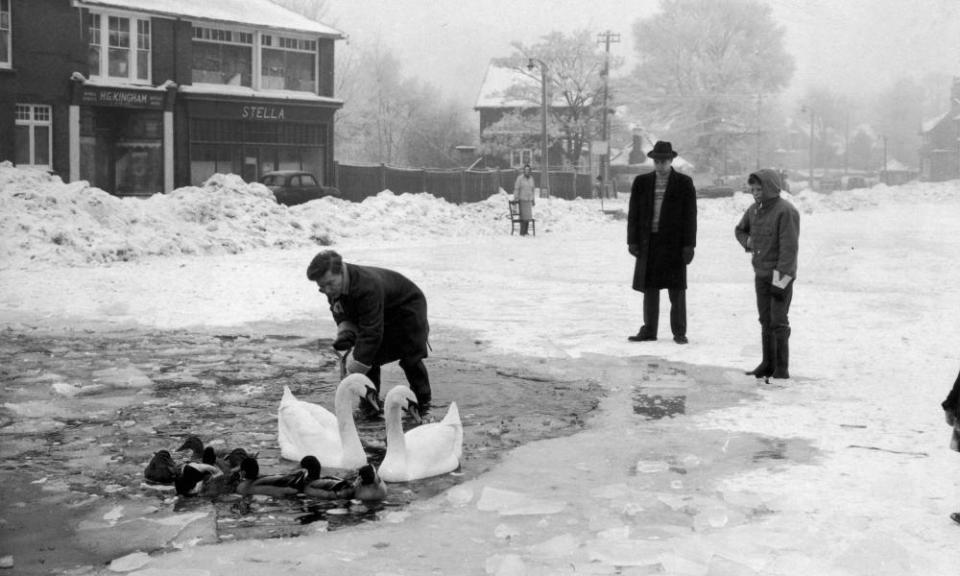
952,403
636,212
689,212
742,230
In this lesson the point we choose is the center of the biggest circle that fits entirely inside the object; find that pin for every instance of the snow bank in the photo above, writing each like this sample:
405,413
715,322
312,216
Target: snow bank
43,219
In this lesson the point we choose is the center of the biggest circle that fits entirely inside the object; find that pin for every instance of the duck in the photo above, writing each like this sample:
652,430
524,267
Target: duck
162,469
427,450
197,478
306,429
324,487
276,485
195,445
368,486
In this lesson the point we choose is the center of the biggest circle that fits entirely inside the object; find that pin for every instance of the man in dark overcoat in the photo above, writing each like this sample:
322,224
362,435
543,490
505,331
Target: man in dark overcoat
380,313
662,235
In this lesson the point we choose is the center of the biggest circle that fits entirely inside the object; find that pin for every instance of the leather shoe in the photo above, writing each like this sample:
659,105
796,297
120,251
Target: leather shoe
681,340
641,337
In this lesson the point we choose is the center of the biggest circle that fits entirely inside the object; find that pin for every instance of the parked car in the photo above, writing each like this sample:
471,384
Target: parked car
292,187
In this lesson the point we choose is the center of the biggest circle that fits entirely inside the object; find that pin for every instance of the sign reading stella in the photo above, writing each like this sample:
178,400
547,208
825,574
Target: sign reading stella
261,113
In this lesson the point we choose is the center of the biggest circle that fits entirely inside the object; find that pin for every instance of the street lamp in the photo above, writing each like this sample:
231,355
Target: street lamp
544,175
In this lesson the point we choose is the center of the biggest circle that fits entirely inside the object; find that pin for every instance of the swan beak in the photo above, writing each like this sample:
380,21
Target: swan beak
373,397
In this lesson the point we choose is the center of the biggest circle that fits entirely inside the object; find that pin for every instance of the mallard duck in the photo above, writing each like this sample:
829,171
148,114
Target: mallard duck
368,486
162,469
195,445
305,429
198,478
427,450
324,487
276,485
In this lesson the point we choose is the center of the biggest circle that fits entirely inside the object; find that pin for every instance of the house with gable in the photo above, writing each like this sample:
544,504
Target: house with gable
143,96
940,147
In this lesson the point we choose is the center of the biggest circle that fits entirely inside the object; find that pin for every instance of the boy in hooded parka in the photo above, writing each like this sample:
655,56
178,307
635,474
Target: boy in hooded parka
770,231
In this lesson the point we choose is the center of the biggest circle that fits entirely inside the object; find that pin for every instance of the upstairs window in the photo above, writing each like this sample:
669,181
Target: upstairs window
521,157
288,63
222,57
32,144
122,51
6,58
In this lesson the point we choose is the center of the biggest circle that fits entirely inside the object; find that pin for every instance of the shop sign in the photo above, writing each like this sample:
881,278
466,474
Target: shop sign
262,113
118,97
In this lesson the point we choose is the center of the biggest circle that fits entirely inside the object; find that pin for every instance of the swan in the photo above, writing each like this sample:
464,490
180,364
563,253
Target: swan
305,429
427,450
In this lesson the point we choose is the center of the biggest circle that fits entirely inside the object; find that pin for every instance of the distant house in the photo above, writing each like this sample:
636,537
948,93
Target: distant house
143,96
497,99
940,148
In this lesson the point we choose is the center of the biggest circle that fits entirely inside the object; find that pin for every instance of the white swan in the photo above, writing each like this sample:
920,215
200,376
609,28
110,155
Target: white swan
306,429
427,450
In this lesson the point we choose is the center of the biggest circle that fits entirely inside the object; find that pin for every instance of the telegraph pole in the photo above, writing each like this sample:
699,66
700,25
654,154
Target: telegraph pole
606,38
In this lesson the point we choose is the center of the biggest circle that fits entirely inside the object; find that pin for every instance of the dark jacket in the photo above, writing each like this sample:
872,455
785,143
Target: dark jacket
770,230
662,266
952,403
389,311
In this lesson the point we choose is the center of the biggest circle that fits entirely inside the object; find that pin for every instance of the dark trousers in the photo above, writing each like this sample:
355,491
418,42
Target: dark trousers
417,378
678,311
773,311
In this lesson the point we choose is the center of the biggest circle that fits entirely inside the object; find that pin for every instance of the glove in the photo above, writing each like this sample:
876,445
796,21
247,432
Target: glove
634,250
687,254
355,367
346,336
778,284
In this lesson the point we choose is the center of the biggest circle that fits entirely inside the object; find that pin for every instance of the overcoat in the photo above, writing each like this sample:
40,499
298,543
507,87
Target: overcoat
952,402
390,312
662,266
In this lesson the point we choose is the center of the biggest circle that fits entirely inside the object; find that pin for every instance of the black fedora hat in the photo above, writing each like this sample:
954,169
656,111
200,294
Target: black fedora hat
662,150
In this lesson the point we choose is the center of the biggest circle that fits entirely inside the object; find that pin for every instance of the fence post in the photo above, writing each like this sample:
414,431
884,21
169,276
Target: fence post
463,185
383,177
424,172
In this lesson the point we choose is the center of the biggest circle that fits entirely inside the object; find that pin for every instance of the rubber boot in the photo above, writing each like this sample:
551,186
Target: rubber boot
765,368
419,381
781,365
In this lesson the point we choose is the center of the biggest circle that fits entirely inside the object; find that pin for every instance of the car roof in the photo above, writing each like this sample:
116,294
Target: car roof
284,172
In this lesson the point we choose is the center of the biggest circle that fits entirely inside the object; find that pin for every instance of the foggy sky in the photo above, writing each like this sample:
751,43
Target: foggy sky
849,46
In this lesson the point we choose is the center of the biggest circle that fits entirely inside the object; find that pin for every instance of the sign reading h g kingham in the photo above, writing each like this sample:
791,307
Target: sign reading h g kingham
119,97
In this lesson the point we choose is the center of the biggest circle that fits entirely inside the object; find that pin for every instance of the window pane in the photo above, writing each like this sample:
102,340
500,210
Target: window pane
41,145
21,145
143,64
300,71
93,60
5,46
222,64
119,62
119,32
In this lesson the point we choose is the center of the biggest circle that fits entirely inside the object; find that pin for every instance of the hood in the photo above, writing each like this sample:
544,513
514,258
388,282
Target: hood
770,182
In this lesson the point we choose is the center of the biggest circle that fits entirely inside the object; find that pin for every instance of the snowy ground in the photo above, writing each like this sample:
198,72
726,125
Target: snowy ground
874,350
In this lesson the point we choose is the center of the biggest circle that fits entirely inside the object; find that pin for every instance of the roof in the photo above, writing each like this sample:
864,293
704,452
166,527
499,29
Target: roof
621,157
932,123
497,80
253,13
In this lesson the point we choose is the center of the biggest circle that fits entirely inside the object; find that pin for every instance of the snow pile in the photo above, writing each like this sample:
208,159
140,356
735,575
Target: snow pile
43,219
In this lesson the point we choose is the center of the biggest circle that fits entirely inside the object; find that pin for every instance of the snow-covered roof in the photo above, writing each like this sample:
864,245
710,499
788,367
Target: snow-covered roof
254,13
244,91
930,124
498,79
621,157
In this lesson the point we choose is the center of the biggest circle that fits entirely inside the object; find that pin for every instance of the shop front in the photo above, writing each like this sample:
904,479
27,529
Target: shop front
121,145
250,137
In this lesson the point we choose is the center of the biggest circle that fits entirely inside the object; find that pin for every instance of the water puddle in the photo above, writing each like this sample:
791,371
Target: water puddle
82,412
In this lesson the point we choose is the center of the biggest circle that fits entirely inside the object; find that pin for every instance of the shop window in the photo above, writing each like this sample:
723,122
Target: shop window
6,48
123,52
222,57
32,142
288,63
521,157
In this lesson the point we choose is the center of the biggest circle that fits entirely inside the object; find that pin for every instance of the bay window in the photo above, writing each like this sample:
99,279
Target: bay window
288,63
222,57
122,50
6,47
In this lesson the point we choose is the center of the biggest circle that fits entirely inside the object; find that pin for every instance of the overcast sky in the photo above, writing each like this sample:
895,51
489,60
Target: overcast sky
849,45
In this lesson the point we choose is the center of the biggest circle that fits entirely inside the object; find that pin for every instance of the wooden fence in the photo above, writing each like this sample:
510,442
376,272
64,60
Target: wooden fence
457,186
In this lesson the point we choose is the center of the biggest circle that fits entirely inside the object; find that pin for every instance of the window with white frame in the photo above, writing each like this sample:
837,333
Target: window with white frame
6,47
119,47
32,140
288,63
222,56
519,158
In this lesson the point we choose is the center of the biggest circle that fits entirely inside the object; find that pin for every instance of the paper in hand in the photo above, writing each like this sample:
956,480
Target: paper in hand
781,280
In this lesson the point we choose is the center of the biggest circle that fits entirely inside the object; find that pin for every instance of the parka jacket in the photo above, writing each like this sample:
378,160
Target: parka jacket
952,403
770,230
390,313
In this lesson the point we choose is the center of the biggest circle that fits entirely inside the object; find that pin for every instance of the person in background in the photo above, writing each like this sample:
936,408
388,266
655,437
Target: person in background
523,192
379,313
662,235
951,409
770,231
